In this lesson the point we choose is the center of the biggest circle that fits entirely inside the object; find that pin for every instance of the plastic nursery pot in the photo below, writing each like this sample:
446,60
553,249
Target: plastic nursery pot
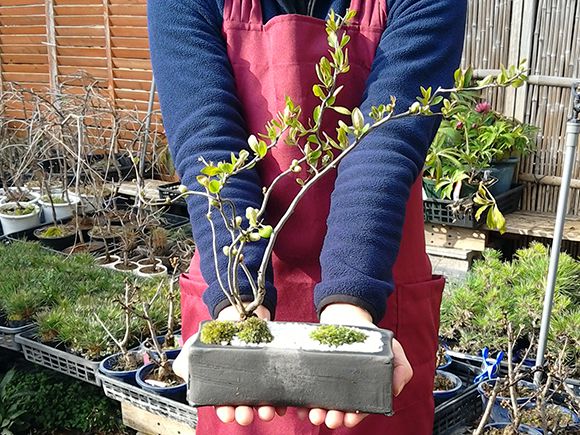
572,427
499,414
446,364
504,172
442,395
14,223
151,271
23,196
176,392
148,262
521,429
429,188
83,248
129,267
171,353
246,374
109,263
56,243
62,210
107,365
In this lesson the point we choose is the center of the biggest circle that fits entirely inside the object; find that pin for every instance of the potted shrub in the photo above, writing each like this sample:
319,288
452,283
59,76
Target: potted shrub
58,236
158,376
151,266
471,155
475,312
57,206
239,352
446,386
129,241
21,305
123,365
17,217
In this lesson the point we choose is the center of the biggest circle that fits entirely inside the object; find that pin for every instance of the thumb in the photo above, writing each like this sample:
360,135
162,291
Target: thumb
403,372
181,363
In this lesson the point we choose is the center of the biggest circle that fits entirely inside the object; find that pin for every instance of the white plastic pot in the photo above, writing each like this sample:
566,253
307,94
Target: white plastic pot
63,211
144,262
161,271
4,198
13,224
115,259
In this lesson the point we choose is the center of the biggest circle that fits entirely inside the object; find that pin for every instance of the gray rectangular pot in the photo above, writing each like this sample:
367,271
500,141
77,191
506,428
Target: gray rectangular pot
348,381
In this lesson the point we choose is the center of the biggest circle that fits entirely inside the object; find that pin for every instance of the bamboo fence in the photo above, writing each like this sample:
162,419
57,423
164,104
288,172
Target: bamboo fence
42,42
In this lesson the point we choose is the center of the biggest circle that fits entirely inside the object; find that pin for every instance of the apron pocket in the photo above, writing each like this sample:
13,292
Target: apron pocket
193,310
418,307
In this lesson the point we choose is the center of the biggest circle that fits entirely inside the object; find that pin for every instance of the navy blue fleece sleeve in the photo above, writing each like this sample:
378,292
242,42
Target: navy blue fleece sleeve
421,46
202,117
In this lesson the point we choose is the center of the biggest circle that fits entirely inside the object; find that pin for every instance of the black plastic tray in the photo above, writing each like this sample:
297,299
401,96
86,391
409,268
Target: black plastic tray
464,409
438,211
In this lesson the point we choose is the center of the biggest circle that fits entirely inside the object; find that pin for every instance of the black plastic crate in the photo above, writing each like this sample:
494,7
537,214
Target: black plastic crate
171,191
464,409
438,211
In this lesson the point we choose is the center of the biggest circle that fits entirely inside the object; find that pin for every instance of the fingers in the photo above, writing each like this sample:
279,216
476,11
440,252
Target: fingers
317,416
225,413
351,419
244,415
180,366
334,419
266,413
403,372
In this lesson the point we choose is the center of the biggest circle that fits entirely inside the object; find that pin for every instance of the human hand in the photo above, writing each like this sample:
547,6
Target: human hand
243,415
346,314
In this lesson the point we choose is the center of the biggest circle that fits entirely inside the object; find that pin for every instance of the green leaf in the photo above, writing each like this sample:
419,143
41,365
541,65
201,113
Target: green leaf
318,92
226,168
358,119
214,186
313,139
480,211
341,110
262,149
253,143
210,170
266,231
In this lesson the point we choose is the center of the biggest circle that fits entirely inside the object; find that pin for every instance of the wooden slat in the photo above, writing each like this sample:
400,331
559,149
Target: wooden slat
37,9
133,74
81,52
93,71
20,49
62,10
82,61
24,30
130,53
21,39
68,41
133,84
24,58
21,2
127,21
131,63
130,42
26,77
130,9
79,20
126,31
77,2
27,20
21,68
79,31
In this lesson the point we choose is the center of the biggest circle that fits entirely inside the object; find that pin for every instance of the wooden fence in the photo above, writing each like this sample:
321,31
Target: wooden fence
43,41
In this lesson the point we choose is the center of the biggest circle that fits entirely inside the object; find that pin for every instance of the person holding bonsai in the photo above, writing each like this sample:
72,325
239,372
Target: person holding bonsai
354,251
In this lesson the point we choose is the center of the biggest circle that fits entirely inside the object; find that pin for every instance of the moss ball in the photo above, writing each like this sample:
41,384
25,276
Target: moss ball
254,330
335,335
218,332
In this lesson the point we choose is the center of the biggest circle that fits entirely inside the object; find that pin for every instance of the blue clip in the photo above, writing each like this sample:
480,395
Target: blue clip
490,370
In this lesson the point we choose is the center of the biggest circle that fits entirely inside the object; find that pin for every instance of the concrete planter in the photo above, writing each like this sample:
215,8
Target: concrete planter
331,379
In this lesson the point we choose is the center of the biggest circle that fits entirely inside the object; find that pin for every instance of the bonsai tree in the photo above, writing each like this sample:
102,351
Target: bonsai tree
128,360
321,151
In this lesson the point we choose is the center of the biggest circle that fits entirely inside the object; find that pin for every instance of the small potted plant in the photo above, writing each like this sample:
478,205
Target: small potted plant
16,217
152,266
158,376
470,157
129,241
123,365
238,352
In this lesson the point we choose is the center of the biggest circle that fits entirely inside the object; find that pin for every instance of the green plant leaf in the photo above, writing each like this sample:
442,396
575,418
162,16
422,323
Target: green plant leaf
214,186
341,110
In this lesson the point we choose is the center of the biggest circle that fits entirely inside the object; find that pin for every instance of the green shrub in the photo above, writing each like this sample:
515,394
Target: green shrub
475,312
56,403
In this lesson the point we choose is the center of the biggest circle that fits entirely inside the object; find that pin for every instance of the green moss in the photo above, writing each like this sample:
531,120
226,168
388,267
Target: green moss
19,211
335,335
218,332
254,330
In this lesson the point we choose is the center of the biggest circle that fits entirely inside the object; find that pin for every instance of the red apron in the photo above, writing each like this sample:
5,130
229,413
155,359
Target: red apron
269,62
